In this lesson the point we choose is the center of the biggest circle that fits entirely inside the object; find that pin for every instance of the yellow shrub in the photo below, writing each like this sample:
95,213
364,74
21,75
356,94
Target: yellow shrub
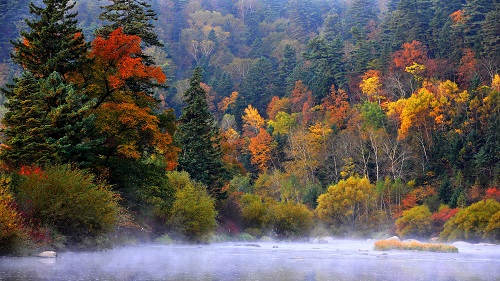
347,203
193,213
70,202
415,222
10,220
475,222
291,220
384,245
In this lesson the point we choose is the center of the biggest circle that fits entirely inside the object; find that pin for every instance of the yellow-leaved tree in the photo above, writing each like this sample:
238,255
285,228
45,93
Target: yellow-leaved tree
347,204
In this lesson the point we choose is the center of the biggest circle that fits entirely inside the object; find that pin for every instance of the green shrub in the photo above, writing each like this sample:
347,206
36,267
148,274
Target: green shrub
291,220
476,222
145,191
70,202
164,239
415,222
254,212
193,213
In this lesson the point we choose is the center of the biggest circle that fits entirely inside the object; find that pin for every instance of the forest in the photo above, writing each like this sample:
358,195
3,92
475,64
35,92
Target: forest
206,120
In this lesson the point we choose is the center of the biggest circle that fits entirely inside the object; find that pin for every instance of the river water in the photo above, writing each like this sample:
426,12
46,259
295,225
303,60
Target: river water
274,261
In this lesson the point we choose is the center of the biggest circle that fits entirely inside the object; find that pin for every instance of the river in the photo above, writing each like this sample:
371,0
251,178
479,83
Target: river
273,261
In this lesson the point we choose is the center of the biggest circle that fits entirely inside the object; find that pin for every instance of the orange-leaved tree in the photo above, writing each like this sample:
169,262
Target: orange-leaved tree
117,60
414,52
120,81
261,147
336,108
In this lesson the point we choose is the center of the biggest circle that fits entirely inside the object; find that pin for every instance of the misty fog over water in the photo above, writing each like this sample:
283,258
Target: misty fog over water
336,260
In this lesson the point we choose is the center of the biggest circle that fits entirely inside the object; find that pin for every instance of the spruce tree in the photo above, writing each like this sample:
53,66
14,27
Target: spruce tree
476,11
26,125
134,16
328,64
47,123
285,68
259,85
201,154
53,43
490,31
72,130
361,12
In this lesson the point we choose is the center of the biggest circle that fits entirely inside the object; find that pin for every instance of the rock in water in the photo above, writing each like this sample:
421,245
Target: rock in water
47,254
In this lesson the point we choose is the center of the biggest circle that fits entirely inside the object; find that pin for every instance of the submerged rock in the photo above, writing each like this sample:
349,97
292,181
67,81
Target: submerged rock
47,254
252,245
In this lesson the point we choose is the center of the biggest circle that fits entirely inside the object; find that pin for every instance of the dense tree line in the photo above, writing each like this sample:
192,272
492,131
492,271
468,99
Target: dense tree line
361,114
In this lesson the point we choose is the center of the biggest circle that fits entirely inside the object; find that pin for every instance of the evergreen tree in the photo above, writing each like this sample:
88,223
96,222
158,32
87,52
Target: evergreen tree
259,84
440,27
332,27
134,16
221,82
26,125
47,123
201,154
490,31
54,43
304,16
328,65
285,69
361,12
72,130
392,5
475,12
410,21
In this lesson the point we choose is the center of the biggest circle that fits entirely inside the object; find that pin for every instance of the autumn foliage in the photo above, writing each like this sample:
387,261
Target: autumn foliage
412,52
10,219
261,147
124,115
119,55
476,222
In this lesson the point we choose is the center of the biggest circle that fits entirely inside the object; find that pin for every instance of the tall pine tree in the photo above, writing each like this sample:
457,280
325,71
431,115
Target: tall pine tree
54,42
48,121
198,135
490,31
328,64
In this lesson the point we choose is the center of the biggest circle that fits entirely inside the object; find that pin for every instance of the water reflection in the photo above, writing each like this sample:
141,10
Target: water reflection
337,260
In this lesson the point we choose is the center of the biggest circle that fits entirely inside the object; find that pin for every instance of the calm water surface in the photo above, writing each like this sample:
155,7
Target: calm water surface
336,260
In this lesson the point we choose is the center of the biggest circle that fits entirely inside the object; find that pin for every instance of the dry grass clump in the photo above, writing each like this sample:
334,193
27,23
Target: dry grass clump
383,245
